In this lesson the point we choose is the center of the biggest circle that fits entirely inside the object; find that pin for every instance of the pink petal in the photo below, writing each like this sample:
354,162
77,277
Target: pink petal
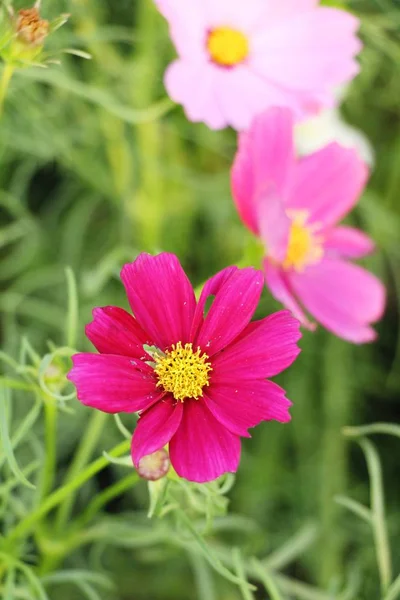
192,84
274,225
261,175
344,297
264,349
155,428
234,14
279,286
245,404
113,383
211,288
308,51
187,26
232,309
114,331
202,449
280,11
161,297
347,242
328,184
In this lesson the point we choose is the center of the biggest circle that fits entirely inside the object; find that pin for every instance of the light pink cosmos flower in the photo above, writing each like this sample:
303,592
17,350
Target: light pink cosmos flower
294,206
199,381
238,58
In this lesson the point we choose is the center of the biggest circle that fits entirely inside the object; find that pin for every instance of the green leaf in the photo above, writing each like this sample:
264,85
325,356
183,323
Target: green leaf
6,441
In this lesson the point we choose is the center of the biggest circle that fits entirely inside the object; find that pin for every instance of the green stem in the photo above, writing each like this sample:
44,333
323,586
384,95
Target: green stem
378,514
4,84
379,428
81,458
337,406
109,494
50,418
25,526
394,591
150,197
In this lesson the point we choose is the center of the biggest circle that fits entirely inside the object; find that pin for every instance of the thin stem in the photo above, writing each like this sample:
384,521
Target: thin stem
81,458
25,526
109,494
378,514
379,428
4,84
50,417
267,581
72,321
355,507
337,409
394,590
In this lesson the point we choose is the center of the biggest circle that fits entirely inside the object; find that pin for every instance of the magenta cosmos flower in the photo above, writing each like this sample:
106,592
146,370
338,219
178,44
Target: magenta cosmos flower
198,381
237,58
294,206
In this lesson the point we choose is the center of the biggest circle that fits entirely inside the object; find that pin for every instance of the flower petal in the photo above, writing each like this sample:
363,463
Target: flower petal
202,449
236,15
328,184
233,307
312,50
192,84
113,383
344,297
155,428
347,242
264,349
241,405
279,286
115,331
187,26
161,297
263,165
211,288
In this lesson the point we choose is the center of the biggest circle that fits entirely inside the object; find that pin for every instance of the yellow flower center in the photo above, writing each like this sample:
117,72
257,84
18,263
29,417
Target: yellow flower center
305,245
182,371
227,47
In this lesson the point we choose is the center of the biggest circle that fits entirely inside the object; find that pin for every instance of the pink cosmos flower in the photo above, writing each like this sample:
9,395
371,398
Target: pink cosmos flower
238,58
294,206
199,381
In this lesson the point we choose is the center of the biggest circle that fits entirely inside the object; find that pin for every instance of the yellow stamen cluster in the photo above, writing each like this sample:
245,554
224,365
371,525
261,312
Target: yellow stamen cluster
182,371
31,29
305,246
227,47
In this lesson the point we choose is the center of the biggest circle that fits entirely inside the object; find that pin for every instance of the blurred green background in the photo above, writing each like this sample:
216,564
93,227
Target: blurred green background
96,166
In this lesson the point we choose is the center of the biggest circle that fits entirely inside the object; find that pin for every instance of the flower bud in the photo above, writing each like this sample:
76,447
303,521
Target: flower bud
154,466
31,29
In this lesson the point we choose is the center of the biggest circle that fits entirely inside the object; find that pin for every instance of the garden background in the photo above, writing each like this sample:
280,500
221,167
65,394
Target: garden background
98,165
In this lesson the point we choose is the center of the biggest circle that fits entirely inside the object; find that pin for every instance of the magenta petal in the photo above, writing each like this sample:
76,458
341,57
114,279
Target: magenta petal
113,383
211,288
233,307
161,297
263,165
245,404
155,428
345,298
278,284
202,449
115,331
264,349
328,184
347,242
